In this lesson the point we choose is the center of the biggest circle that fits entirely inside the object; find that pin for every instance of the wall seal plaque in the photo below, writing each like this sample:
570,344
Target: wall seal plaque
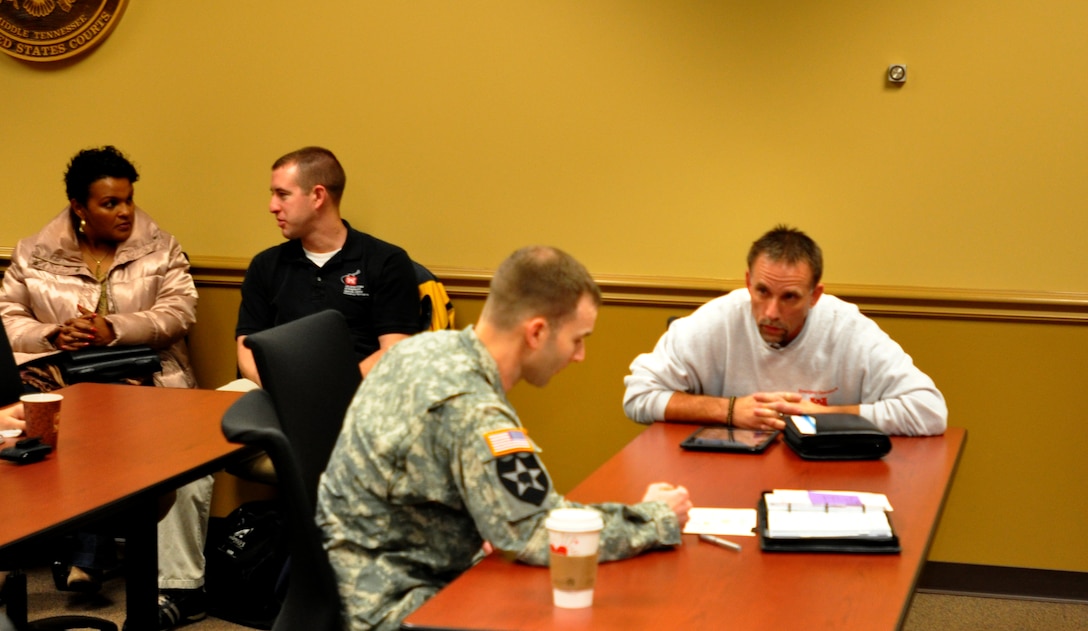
49,30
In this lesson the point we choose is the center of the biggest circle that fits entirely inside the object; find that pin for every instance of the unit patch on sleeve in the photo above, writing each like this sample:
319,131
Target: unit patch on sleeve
523,477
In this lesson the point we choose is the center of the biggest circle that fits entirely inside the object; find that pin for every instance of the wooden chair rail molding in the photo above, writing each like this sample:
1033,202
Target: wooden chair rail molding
682,292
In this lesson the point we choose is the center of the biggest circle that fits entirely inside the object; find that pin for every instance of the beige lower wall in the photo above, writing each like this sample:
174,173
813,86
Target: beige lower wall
211,341
1009,366
1016,497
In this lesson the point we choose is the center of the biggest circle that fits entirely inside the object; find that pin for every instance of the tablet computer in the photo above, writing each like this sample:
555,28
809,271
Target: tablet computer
732,439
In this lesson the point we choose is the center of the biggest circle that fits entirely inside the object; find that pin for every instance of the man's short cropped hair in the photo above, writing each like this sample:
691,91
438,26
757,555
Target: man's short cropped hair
538,281
90,165
316,165
789,245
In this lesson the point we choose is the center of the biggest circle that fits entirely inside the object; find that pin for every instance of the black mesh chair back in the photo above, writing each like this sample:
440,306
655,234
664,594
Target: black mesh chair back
312,602
309,369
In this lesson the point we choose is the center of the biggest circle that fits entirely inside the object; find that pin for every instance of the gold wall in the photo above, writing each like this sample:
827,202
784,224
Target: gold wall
654,140
656,137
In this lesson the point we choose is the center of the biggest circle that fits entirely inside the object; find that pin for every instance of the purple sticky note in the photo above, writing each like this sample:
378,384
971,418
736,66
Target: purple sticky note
831,499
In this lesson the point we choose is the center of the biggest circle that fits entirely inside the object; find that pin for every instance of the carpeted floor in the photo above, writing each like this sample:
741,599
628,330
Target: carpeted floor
929,612
44,600
933,612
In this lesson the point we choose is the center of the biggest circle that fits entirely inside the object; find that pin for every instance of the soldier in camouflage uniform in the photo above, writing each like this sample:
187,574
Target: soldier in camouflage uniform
433,461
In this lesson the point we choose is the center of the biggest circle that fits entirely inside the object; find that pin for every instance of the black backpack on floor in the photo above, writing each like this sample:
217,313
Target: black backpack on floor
246,553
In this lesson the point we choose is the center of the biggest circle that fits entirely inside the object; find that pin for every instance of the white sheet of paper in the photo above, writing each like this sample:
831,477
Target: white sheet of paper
820,524
721,521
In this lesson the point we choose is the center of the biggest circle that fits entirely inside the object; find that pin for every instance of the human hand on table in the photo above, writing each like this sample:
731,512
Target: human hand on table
11,417
676,497
764,410
786,404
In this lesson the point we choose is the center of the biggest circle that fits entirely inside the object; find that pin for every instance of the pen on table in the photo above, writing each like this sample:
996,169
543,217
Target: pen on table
718,541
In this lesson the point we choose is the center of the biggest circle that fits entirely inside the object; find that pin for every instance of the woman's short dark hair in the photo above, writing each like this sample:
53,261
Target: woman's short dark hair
90,165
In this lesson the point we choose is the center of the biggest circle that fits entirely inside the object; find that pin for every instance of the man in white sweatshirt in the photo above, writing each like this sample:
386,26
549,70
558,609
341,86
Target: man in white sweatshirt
781,346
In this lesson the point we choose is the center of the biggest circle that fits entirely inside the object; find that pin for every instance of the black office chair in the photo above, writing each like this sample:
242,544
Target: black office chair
309,375
312,600
309,368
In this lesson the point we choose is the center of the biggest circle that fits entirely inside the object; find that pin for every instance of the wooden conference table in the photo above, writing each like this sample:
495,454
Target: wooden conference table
702,586
120,448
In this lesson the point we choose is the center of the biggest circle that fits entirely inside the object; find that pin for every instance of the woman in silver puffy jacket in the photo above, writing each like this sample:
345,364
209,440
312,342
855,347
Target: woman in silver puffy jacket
101,273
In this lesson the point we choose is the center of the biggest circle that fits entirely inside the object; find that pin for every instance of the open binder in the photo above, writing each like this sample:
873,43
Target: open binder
831,527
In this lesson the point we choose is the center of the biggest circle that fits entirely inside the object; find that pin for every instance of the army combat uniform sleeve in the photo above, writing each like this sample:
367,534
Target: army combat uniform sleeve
508,492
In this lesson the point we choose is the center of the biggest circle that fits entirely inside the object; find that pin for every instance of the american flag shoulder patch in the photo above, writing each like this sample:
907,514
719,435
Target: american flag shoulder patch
508,441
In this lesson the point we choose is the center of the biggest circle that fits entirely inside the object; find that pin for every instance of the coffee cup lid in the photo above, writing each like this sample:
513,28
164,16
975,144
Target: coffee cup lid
574,520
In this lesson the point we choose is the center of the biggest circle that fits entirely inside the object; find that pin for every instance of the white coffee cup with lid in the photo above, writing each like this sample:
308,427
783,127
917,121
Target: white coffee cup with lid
574,535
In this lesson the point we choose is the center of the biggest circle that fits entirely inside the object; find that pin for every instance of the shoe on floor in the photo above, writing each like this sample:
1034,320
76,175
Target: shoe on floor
179,607
71,578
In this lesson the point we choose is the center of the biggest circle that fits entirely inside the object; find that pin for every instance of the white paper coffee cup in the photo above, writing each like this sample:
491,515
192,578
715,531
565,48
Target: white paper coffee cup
574,535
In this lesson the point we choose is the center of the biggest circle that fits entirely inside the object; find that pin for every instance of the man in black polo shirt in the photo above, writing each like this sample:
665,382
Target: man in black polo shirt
325,264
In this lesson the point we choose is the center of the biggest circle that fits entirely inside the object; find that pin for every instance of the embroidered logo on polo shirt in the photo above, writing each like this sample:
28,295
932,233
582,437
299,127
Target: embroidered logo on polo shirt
352,286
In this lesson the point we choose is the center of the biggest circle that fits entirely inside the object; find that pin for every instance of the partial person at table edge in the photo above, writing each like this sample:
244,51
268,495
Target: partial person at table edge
781,345
433,460
11,417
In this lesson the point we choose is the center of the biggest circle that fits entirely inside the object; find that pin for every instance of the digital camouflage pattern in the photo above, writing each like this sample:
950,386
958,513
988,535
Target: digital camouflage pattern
412,489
